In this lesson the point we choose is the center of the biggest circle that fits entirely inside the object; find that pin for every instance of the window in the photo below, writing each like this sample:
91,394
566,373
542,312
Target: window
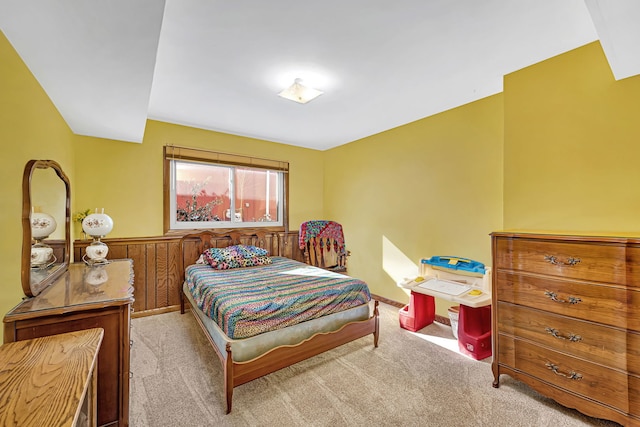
205,189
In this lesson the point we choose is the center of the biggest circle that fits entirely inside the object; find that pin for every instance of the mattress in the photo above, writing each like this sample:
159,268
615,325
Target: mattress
249,301
243,350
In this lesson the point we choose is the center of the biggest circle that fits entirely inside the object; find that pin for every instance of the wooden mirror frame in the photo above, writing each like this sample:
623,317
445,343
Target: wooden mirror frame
33,289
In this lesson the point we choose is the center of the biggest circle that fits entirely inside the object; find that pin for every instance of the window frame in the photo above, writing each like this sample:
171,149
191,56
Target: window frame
214,158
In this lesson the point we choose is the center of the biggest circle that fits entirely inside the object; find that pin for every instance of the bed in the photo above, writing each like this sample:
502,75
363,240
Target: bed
337,309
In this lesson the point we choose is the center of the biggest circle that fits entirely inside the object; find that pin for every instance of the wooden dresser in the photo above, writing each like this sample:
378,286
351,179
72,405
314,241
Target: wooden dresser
566,320
50,381
83,298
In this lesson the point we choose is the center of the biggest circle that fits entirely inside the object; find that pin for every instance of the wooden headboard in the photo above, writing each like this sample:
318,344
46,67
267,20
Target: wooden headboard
193,244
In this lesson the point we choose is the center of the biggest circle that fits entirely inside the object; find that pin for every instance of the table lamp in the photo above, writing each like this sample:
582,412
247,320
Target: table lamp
97,225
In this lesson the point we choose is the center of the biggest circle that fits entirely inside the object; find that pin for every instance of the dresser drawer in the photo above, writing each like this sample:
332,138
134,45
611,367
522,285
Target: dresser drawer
598,263
633,316
588,340
595,302
633,347
605,385
634,396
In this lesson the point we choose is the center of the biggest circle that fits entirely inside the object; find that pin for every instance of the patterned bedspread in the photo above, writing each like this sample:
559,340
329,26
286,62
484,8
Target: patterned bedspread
248,301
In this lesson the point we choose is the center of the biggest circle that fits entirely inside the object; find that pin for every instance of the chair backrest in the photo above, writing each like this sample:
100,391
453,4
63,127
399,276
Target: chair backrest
322,243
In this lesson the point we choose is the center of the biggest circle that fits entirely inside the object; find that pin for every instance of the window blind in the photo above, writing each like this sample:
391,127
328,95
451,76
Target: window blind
172,152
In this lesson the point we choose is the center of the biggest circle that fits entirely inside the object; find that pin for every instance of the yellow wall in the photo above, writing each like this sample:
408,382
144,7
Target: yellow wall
432,187
30,128
126,178
572,144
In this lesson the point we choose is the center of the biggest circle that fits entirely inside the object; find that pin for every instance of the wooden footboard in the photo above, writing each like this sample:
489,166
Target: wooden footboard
237,373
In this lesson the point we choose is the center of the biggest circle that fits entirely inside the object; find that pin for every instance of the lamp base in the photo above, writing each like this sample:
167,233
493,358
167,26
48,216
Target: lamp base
91,262
42,256
96,253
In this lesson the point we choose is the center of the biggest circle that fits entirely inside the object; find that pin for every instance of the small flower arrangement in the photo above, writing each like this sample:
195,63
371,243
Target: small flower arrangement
79,217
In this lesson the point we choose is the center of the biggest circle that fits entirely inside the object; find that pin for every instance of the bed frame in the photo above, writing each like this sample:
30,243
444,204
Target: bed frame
237,373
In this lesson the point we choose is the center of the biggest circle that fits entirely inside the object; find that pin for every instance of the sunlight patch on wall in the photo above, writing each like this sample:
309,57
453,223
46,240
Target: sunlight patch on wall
395,263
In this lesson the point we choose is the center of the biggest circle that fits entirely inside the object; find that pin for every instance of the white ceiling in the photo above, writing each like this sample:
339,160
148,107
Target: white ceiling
218,65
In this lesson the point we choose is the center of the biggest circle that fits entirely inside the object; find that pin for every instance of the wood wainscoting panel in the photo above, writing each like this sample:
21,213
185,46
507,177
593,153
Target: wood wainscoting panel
151,294
157,275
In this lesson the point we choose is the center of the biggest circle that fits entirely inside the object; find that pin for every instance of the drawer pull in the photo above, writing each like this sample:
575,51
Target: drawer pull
554,297
556,370
571,261
556,334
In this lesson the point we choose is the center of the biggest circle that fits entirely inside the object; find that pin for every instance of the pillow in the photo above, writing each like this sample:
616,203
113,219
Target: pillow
236,256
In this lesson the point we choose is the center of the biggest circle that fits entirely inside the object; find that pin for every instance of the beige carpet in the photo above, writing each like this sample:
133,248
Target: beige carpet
409,380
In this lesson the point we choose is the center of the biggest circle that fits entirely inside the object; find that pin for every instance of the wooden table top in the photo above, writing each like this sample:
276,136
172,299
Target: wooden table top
43,381
81,287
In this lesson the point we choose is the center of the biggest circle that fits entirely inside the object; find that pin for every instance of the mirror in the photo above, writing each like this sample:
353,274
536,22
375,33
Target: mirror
46,225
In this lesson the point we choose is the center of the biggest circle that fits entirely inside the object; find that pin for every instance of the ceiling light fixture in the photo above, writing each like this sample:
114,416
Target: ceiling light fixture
299,93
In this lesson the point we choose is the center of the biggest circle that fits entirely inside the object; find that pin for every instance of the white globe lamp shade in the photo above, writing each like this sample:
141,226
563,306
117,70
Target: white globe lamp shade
97,224
42,225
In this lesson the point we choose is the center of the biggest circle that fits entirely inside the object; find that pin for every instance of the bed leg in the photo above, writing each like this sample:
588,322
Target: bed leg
181,301
376,332
228,378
